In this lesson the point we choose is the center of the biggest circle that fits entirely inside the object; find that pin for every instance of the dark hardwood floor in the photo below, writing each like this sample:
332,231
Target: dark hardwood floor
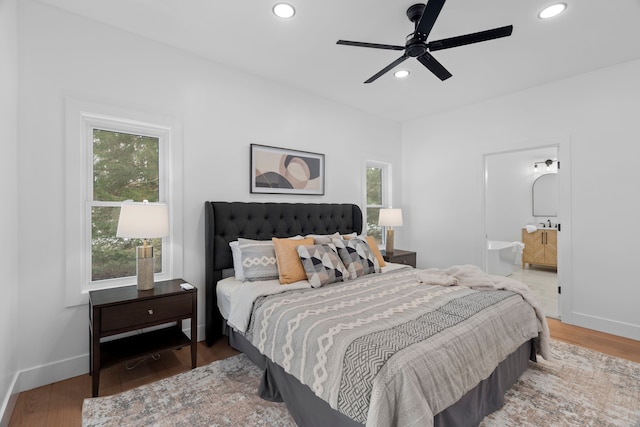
60,404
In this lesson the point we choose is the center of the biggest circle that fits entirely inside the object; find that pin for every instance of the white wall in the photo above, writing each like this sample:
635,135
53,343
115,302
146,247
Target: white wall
9,213
221,111
597,112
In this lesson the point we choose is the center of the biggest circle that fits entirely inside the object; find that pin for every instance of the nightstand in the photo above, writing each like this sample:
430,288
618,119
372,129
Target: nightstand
400,257
117,310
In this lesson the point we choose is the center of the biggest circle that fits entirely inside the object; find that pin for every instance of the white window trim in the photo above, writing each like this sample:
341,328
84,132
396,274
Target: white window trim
81,118
387,193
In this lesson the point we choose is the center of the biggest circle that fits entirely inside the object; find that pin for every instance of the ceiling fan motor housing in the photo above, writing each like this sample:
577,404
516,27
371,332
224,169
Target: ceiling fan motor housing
415,47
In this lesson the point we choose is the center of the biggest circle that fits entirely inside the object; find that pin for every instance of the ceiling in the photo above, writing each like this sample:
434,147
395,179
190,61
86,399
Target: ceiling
302,52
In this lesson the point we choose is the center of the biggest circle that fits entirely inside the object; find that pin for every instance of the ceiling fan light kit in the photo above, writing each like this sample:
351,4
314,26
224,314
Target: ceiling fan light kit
416,46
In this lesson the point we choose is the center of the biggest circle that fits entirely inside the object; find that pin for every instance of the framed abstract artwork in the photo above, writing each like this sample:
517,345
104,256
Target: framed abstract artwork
283,171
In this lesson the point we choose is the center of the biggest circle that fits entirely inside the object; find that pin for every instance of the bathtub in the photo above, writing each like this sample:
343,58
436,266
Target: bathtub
502,256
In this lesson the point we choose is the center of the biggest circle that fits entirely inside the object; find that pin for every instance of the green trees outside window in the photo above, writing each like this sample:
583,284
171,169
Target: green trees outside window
125,167
375,201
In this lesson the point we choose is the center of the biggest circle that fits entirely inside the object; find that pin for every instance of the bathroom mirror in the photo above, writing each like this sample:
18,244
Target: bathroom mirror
545,195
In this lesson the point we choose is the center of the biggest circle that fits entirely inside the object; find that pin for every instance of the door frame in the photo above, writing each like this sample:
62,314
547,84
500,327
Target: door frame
565,265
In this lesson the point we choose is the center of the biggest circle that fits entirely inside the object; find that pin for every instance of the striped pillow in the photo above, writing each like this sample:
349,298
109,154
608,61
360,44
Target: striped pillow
258,260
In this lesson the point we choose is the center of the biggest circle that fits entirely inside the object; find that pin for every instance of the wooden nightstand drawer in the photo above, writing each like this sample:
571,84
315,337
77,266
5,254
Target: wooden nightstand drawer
407,260
141,313
401,257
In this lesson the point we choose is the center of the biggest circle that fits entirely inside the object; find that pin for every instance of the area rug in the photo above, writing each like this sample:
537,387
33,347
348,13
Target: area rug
578,387
222,393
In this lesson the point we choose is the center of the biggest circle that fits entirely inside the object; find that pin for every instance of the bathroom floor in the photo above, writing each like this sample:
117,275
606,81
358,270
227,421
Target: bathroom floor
544,284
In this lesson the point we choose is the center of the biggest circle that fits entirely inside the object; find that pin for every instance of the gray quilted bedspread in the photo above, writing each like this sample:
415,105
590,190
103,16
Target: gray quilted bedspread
386,349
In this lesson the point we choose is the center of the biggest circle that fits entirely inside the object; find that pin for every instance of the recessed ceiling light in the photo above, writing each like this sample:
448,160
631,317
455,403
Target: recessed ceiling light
553,10
284,10
401,74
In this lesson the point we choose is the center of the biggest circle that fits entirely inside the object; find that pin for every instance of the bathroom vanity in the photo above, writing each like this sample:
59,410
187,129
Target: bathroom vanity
540,247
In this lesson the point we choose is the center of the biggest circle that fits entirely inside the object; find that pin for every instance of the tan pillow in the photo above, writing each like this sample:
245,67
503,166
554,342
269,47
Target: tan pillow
290,267
375,250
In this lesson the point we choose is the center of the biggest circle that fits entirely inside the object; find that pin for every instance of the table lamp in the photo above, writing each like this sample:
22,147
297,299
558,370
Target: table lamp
390,218
144,221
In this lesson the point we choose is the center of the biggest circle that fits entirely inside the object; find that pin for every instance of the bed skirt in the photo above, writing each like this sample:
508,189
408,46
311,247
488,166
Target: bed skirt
307,409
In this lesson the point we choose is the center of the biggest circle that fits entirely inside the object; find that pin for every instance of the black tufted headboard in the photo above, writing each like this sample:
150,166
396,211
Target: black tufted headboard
226,221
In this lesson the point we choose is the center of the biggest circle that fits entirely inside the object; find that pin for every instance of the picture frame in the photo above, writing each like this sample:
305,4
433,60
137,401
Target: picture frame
276,170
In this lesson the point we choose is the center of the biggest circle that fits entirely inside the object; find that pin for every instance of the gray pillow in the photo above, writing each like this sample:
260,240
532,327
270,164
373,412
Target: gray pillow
258,260
323,239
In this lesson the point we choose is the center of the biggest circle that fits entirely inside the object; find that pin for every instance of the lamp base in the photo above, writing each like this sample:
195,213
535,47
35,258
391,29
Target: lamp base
389,246
145,267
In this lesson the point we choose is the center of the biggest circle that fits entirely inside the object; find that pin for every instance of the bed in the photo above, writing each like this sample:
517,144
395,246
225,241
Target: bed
336,366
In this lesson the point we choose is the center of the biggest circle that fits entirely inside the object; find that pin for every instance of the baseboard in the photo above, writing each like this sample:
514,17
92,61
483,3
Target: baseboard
609,326
64,369
53,372
9,402
201,333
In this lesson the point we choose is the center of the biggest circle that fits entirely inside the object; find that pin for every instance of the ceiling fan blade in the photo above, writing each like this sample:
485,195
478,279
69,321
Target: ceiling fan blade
429,16
434,66
373,45
481,36
387,68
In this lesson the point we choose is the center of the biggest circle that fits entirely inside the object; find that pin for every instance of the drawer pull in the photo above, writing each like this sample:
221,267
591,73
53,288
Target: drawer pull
150,311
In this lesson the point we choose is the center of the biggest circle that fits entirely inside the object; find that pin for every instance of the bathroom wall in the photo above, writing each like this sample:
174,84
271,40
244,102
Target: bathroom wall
509,179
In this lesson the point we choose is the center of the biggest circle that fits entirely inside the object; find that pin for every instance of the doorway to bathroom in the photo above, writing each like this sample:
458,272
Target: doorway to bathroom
511,218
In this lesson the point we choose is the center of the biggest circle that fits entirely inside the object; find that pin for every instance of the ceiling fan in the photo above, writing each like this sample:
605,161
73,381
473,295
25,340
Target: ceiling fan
416,46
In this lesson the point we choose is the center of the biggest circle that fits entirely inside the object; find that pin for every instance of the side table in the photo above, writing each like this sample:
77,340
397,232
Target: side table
124,309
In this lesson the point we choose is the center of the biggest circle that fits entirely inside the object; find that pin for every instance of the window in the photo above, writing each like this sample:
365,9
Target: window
115,155
125,167
377,196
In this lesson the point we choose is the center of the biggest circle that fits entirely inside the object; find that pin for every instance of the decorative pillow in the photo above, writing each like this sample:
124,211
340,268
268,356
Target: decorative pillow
322,265
289,265
349,236
258,260
357,257
373,246
236,253
323,239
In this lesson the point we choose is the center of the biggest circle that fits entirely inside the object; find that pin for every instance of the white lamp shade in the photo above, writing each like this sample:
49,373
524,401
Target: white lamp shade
143,220
390,217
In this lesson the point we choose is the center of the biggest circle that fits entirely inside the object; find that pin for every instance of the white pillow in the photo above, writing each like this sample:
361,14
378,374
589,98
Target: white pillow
237,260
